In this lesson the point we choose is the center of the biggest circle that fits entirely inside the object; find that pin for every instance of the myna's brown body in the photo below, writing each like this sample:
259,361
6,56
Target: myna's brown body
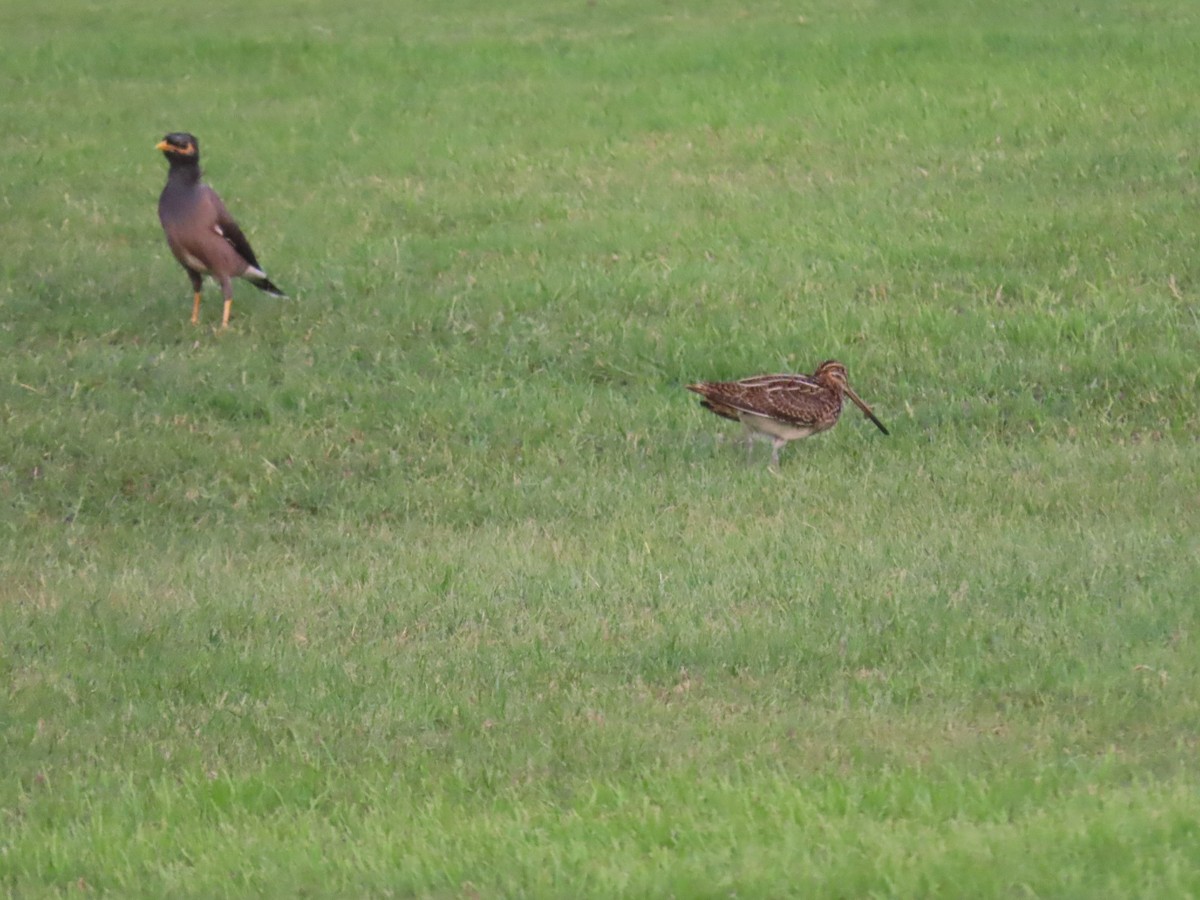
784,408
201,232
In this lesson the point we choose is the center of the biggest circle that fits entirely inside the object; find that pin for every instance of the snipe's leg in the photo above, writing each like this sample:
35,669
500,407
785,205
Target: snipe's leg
776,443
749,443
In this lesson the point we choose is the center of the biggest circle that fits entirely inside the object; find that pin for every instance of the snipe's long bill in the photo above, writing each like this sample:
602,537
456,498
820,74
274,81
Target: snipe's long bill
783,408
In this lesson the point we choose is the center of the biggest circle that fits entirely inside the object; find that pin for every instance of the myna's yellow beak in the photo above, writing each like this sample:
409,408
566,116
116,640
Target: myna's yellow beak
189,150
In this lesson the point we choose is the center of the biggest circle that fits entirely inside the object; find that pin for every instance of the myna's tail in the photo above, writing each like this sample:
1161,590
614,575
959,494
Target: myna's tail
259,279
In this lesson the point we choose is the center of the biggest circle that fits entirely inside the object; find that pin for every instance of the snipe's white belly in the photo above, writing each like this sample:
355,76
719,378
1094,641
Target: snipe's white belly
774,427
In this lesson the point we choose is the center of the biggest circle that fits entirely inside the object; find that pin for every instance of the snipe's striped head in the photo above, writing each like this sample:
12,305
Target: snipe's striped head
833,373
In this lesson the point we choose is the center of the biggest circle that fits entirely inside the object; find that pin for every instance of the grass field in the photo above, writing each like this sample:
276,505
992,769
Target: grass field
434,581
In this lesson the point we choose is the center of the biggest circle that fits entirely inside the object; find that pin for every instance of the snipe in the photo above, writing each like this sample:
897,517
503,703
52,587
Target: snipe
782,408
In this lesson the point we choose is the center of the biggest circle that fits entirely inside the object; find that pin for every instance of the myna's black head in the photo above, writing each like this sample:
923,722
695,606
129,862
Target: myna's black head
179,147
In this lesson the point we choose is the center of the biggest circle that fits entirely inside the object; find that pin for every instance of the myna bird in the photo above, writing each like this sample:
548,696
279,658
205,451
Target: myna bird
202,234
782,408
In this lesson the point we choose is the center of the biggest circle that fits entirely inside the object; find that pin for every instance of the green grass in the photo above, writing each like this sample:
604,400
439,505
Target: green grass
435,582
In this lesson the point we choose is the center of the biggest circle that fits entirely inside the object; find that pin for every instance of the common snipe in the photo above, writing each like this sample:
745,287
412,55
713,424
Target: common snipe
782,408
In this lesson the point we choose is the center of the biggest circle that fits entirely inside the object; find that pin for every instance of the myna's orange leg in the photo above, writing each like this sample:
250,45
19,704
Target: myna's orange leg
197,280
227,293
